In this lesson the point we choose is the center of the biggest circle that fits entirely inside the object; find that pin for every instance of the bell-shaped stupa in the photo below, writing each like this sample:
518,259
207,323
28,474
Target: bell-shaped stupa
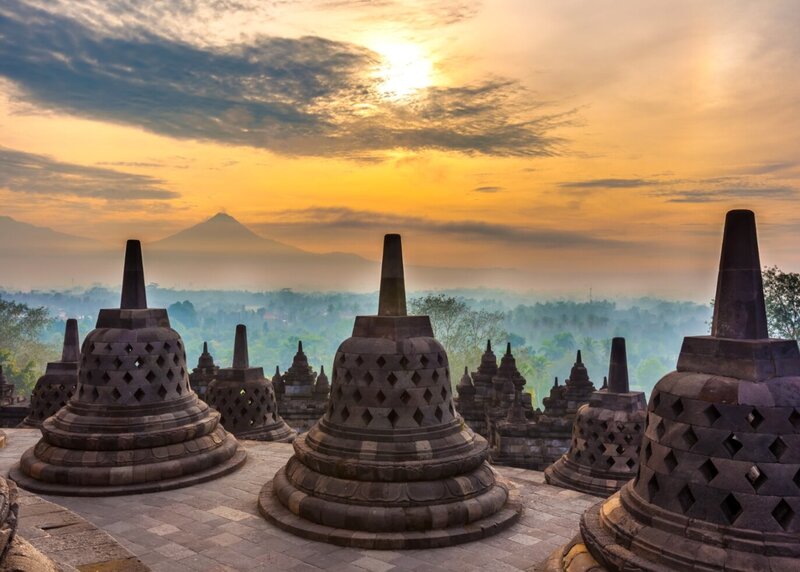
55,388
390,465
473,404
718,486
301,399
246,399
204,373
134,424
606,435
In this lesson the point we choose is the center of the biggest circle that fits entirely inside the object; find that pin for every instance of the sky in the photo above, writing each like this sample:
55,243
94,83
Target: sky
587,144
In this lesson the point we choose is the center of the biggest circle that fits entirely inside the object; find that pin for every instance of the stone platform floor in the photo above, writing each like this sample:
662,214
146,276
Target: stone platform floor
216,526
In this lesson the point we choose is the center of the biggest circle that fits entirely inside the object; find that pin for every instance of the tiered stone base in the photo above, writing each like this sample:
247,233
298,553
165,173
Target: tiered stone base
278,432
435,516
567,474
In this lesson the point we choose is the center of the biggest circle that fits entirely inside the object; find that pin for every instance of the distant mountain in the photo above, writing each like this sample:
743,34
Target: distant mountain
24,237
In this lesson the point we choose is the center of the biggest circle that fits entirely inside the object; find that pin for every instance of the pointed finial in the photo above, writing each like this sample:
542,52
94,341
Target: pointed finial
508,348
739,310
240,357
618,367
466,370
605,382
277,370
322,370
133,293
205,347
72,350
555,383
578,358
299,346
392,299
488,346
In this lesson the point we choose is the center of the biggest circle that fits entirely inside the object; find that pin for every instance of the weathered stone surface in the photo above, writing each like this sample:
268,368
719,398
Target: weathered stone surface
474,404
718,486
58,384
390,465
304,395
205,372
134,423
606,435
246,399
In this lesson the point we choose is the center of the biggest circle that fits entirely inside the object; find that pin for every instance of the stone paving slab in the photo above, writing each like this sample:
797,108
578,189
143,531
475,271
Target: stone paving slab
216,526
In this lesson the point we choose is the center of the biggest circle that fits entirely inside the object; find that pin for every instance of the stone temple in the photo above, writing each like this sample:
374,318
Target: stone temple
246,399
205,372
60,379
718,486
606,435
302,400
478,395
390,465
134,424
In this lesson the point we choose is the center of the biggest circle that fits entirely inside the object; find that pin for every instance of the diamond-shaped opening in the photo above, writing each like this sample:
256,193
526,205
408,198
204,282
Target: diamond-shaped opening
686,498
620,449
380,397
148,348
95,394
162,391
139,394
630,463
392,379
438,413
170,374
105,377
610,462
796,479
444,393
342,359
755,477
731,508
794,419
345,413
97,361
660,429
359,360
381,361
435,375
368,378
427,395
424,360
117,363
160,361
628,438
592,458
89,375
778,448
366,417
416,378
348,377
128,348
116,394
150,376
656,401
690,437
637,427
652,487
357,396
783,514
708,470
670,461
418,416
732,444
405,397
176,360
339,392
612,437
243,411
393,417
677,407
167,346
404,361
754,418
439,358
179,389
711,414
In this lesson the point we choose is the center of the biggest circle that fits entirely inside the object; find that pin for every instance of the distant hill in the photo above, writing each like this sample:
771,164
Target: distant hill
18,236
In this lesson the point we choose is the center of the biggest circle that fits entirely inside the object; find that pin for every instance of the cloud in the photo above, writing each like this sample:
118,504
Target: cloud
38,174
716,195
342,219
608,184
487,189
302,96
417,13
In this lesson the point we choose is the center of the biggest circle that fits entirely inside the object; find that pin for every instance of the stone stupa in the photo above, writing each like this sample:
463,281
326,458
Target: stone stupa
390,465
718,486
301,400
606,435
205,372
134,424
55,388
246,399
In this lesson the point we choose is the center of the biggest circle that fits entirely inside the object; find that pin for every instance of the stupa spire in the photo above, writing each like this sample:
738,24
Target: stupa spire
72,349
392,299
133,292
739,309
618,367
240,357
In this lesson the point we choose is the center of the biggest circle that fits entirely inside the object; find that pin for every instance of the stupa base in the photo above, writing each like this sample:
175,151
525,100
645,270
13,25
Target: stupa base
563,474
281,434
42,487
275,512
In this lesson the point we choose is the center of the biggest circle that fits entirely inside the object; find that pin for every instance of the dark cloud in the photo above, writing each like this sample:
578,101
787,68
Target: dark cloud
306,96
487,189
608,184
716,195
29,173
341,219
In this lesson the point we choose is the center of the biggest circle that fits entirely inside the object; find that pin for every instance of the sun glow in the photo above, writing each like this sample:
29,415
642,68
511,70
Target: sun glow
404,70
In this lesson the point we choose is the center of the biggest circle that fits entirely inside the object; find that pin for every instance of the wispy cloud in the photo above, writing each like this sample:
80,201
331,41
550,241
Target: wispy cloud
721,194
608,184
37,174
487,189
342,219
305,96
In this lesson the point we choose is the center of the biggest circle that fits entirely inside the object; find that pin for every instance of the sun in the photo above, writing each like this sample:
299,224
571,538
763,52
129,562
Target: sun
404,69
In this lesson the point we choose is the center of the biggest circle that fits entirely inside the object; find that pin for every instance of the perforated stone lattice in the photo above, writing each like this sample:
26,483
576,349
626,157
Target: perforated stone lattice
130,372
243,408
606,445
400,391
747,459
47,398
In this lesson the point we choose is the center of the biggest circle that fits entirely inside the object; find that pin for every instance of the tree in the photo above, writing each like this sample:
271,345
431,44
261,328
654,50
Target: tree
782,297
22,355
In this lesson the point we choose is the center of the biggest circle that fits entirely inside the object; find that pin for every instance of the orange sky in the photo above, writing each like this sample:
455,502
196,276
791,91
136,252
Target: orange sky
599,143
